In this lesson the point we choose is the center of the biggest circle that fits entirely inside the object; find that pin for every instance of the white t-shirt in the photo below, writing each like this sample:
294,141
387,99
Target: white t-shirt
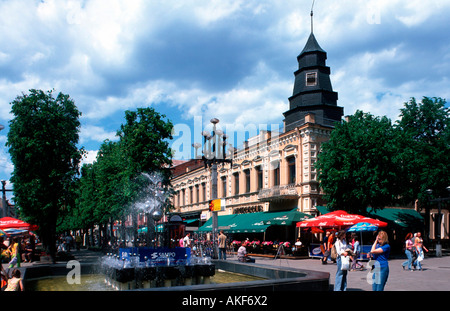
341,246
241,251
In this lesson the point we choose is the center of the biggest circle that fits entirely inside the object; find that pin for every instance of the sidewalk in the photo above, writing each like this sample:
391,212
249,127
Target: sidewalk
434,277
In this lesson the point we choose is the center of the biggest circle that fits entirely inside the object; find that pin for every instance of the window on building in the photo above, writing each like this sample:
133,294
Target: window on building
259,174
191,195
183,197
311,78
224,186
291,170
204,192
197,193
276,172
236,183
247,180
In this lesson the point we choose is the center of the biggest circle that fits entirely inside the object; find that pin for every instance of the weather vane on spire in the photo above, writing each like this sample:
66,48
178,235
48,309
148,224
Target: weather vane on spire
312,7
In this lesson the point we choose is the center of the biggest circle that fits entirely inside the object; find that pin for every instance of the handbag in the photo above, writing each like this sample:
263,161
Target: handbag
333,252
345,263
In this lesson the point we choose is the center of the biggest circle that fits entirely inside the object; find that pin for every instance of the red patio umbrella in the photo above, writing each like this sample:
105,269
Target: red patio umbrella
337,219
13,223
352,219
326,220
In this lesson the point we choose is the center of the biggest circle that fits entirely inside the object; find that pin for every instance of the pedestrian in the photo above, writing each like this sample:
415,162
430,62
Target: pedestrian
380,252
419,249
330,243
14,253
324,248
186,240
181,242
356,251
297,247
4,278
222,246
340,283
409,245
15,282
28,252
78,241
68,241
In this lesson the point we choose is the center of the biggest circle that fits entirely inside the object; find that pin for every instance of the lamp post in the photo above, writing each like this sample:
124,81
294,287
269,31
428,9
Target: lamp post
4,204
213,150
438,220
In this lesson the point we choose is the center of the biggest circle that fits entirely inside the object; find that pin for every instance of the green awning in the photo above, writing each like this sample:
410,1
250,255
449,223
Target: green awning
248,223
399,217
285,218
323,210
189,221
254,222
237,223
223,222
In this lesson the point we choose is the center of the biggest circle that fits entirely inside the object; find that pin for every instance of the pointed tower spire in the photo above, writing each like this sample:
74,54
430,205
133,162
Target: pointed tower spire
312,21
313,92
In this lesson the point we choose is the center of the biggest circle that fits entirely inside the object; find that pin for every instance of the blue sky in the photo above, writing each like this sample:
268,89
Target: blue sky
230,59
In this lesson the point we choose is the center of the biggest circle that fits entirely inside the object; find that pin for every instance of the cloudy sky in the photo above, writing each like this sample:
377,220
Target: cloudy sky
231,59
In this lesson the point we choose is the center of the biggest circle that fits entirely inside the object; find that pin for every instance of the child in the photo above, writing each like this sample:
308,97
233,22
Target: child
15,282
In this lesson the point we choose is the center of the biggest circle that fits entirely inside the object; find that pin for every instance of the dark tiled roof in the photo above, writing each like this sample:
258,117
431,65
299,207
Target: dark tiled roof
312,45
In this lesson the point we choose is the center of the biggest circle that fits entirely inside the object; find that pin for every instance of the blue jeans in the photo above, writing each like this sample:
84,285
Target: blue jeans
417,263
223,253
340,282
380,278
409,261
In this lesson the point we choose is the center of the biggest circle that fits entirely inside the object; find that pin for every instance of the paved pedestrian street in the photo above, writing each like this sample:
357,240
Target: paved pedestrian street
434,277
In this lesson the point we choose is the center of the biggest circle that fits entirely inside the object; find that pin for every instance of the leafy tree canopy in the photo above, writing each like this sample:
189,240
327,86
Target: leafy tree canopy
42,143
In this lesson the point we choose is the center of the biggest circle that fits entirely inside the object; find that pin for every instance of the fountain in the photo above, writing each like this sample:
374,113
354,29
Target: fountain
145,267
160,265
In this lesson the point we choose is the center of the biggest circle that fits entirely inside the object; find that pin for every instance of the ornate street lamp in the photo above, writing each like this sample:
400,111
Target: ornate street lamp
214,145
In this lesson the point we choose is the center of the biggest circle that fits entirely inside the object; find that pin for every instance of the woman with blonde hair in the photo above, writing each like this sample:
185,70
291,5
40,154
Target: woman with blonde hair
380,252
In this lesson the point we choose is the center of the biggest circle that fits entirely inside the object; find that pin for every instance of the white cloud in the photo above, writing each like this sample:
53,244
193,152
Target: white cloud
95,133
89,157
216,10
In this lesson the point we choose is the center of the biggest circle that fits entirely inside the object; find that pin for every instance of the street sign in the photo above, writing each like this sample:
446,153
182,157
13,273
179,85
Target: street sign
217,205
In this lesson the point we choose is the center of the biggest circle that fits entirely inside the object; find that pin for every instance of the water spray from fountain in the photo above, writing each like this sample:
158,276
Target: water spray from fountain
156,264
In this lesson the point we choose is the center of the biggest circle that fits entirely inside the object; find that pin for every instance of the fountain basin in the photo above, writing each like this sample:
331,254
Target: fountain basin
275,279
145,274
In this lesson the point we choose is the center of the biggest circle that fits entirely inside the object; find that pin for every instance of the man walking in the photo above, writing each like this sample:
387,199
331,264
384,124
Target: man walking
222,246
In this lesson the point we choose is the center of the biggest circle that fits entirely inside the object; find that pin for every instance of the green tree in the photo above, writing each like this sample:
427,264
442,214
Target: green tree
145,140
42,143
358,166
425,147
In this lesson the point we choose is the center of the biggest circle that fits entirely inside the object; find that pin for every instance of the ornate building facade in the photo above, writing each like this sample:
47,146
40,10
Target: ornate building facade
273,171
